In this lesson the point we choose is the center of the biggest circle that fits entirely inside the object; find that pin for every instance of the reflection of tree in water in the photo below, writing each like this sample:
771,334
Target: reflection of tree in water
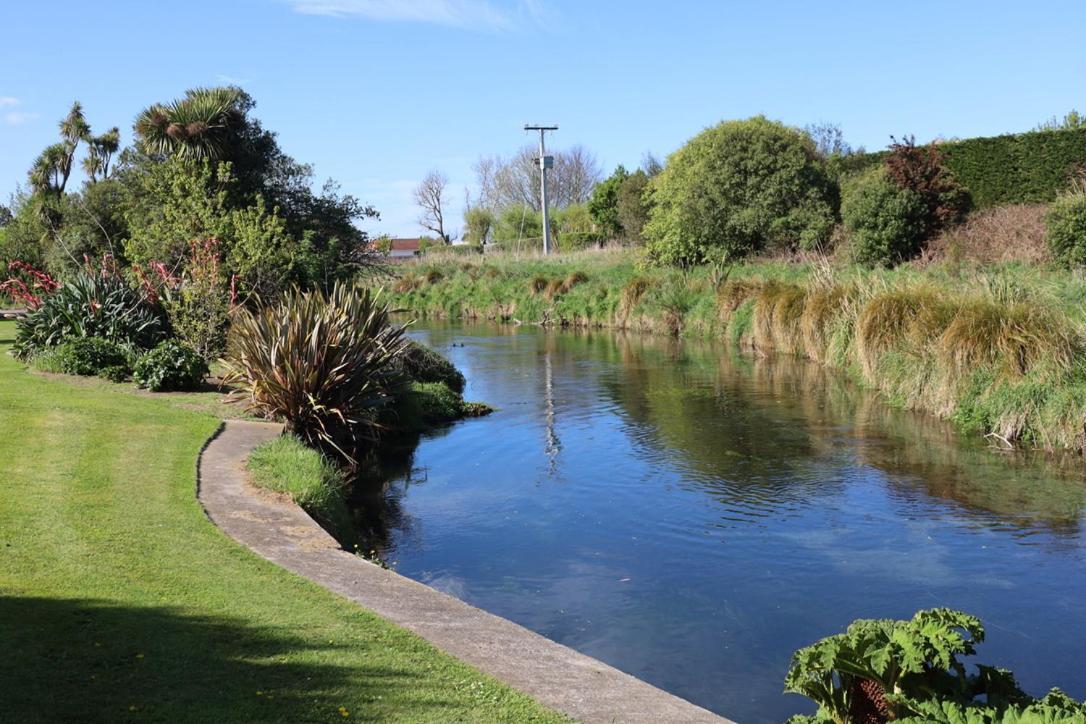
376,495
772,429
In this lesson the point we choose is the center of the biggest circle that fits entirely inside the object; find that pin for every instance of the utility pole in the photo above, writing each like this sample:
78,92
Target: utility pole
544,162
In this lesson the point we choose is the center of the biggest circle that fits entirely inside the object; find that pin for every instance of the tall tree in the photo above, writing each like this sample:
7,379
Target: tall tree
100,150
514,181
430,197
198,126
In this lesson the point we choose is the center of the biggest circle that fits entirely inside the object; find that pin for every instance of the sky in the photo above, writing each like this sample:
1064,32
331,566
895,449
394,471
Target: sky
375,93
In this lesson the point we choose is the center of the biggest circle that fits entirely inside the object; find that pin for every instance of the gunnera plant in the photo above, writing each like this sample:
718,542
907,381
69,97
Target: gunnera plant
321,362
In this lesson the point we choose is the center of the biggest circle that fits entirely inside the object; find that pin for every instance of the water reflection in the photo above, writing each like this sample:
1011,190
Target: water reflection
693,516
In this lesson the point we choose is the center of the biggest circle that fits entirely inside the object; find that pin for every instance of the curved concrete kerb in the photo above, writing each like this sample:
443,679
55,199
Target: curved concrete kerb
569,682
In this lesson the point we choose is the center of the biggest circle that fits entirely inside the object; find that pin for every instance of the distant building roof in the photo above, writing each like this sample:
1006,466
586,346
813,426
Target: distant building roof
403,244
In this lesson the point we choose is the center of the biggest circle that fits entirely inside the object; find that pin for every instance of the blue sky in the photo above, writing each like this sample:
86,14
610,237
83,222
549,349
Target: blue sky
375,93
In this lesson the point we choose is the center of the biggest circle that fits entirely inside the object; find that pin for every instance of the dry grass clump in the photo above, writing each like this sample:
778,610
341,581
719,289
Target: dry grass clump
490,272
631,295
1014,339
778,308
731,295
572,280
537,285
822,306
408,282
434,276
909,318
554,288
1000,234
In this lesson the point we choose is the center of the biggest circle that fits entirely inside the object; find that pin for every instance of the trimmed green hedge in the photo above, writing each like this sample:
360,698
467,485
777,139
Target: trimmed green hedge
1013,169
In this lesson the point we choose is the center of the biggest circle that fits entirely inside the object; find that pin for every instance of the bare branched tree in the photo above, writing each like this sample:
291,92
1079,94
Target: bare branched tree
514,181
430,197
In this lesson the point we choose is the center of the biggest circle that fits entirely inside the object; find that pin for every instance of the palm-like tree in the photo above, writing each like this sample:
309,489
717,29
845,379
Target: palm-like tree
51,169
100,152
198,126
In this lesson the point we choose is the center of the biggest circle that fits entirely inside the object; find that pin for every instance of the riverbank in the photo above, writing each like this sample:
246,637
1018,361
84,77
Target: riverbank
121,599
997,349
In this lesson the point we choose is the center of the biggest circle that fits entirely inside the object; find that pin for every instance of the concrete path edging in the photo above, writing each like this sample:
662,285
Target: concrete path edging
559,677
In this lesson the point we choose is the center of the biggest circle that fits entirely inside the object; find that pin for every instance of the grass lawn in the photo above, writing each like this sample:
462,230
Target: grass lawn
120,601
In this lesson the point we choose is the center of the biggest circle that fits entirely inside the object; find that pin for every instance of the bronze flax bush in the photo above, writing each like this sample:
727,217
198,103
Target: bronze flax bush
324,363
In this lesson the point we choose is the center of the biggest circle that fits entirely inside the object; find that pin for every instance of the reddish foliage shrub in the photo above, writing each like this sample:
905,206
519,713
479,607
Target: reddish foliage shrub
921,169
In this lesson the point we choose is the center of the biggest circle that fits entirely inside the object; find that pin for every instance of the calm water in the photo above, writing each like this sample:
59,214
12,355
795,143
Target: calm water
692,516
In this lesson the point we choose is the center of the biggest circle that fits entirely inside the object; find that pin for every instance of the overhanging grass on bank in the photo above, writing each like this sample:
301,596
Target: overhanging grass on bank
1000,350
287,465
121,601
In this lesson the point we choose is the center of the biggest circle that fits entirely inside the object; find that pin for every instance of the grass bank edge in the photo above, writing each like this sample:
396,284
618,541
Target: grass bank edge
1000,349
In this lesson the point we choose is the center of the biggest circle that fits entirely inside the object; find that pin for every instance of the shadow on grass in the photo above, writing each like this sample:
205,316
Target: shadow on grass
87,660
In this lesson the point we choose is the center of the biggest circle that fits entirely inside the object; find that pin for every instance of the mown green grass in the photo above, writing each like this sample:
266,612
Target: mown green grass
120,601
1001,350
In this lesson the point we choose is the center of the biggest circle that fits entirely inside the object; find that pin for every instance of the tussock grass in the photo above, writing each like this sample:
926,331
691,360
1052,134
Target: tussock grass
1000,350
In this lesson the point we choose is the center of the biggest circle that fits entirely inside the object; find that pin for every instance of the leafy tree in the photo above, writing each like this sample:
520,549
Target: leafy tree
739,187
575,227
1065,227
603,206
886,223
173,202
634,206
478,224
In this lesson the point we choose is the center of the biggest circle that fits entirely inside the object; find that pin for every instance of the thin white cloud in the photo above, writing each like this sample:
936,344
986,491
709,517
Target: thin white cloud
15,118
231,80
471,14
8,101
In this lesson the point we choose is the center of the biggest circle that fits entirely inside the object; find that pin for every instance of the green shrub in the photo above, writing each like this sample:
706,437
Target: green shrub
739,187
1065,228
909,671
885,223
171,366
423,405
419,363
322,362
90,305
115,373
89,355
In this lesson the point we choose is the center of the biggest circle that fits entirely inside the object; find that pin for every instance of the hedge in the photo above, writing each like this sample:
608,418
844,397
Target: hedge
1012,169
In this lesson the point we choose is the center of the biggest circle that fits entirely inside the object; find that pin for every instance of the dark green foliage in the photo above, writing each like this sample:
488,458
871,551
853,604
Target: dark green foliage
171,366
419,363
424,405
886,223
88,356
115,373
1021,168
740,187
634,206
603,206
885,670
91,305
1065,228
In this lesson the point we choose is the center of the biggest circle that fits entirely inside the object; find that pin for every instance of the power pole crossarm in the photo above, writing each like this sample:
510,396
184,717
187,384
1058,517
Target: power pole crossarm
545,162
